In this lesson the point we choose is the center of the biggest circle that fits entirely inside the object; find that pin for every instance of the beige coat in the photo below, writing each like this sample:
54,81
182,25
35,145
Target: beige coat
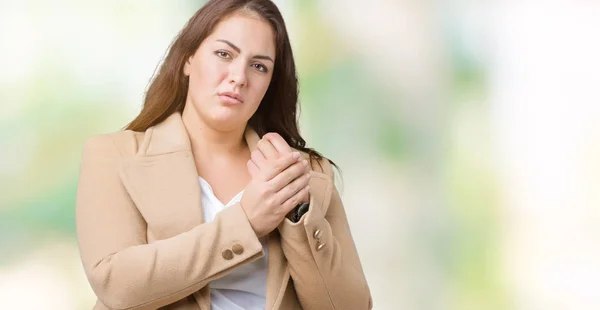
144,245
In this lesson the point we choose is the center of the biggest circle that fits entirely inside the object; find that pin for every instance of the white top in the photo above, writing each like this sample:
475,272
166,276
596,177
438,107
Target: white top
245,288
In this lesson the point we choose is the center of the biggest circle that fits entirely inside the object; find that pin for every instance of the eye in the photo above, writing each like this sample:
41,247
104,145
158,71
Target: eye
223,54
260,67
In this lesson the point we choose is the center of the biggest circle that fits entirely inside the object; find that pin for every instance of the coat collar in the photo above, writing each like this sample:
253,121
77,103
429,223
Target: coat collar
170,136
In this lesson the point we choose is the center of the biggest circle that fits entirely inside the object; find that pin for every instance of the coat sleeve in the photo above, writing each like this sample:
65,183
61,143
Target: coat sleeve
124,271
330,277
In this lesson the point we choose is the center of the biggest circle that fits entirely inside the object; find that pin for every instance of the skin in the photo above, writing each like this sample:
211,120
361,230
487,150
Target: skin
271,147
238,57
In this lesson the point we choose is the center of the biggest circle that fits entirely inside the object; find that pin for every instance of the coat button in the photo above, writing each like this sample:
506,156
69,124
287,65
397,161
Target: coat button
320,245
227,254
317,234
237,248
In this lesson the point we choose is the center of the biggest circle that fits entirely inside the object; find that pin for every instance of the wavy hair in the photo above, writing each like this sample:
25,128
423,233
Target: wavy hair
278,110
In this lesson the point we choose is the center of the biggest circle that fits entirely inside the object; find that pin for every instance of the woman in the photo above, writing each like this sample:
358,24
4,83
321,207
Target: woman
201,202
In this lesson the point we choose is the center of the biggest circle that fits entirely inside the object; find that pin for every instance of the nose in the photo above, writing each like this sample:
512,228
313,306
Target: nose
237,74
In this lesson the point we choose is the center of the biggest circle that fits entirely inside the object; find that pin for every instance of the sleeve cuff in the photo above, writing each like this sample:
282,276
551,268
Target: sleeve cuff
243,242
298,231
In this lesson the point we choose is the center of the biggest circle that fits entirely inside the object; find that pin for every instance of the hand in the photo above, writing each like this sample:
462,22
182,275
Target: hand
275,190
270,147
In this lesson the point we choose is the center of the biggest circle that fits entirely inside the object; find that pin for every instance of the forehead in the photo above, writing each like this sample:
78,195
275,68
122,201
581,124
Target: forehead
251,34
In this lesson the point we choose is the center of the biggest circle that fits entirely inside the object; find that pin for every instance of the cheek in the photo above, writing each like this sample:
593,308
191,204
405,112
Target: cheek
259,89
209,74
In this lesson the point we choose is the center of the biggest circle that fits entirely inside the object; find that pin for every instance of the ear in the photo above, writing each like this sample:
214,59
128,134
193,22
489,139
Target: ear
187,65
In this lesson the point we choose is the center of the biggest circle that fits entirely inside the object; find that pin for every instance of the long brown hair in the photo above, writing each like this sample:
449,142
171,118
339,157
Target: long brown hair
277,111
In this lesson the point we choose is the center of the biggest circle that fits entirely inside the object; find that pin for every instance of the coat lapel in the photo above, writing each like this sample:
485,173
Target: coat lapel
163,181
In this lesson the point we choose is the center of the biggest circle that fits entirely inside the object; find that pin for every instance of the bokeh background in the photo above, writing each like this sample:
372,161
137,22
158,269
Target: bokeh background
467,131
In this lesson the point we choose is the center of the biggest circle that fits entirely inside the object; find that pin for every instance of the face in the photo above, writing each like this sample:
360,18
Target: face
230,72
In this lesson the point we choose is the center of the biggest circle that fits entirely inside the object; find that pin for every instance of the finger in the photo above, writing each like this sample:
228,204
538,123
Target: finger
293,201
278,142
292,188
252,169
267,149
288,175
258,158
279,165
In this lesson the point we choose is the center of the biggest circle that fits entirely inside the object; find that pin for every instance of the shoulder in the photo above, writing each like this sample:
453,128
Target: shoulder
123,143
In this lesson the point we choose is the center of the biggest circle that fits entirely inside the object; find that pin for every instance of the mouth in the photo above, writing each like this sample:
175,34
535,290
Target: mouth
231,98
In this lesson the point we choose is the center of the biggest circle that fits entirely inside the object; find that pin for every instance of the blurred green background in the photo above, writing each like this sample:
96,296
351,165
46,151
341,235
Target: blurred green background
467,132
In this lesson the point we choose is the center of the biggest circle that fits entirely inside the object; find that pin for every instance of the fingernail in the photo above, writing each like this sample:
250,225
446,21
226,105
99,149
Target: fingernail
296,155
305,163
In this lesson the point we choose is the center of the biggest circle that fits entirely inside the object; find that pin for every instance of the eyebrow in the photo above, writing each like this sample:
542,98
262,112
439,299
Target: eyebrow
237,49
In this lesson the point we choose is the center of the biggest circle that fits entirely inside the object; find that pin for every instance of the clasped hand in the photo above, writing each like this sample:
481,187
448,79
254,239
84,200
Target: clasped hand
279,182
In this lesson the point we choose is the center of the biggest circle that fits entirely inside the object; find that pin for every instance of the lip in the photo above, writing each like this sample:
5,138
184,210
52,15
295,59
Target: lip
231,97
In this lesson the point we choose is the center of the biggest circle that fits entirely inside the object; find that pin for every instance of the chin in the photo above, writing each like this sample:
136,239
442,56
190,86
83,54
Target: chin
221,117
227,121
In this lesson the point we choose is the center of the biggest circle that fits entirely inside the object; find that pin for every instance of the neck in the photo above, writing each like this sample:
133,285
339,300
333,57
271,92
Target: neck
210,143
